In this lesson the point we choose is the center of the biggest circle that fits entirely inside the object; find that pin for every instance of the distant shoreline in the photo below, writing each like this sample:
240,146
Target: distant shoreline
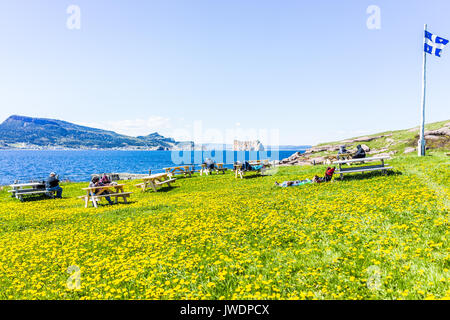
26,165
77,149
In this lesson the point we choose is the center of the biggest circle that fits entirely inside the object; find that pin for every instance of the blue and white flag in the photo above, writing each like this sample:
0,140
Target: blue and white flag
434,44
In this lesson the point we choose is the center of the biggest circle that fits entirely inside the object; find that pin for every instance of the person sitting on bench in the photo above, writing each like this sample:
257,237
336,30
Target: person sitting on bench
360,153
342,150
52,185
210,164
95,182
105,179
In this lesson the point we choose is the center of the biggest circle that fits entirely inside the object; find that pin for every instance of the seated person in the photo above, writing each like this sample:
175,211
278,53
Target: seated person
246,166
360,153
105,179
52,184
210,164
342,150
329,174
95,182
257,167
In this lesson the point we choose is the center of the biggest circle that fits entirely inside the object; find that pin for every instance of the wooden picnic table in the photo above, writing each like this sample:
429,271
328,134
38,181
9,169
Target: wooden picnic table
218,167
95,194
382,166
184,169
155,180
19,190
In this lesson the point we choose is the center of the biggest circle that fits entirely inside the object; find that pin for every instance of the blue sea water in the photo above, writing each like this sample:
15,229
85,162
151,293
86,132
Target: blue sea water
78,165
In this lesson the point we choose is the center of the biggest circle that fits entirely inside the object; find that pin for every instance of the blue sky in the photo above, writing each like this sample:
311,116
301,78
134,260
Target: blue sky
310,69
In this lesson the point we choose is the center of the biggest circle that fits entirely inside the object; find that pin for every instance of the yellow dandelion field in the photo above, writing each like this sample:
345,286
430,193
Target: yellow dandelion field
217,237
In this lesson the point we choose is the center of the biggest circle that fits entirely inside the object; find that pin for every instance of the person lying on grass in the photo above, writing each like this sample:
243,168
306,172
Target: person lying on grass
293,183
328,176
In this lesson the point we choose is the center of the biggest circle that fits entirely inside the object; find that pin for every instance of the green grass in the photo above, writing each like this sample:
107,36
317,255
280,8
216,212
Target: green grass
216,237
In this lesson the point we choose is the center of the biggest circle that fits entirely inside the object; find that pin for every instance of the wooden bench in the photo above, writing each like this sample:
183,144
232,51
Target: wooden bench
218,168
186,170
19,190
383,167
95,194
155,180
239,172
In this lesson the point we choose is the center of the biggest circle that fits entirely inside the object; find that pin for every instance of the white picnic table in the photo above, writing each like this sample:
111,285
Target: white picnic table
155,180
94,194
31,188
382,166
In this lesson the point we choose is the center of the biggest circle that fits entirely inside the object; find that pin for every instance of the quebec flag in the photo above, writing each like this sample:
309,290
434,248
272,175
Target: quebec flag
434,44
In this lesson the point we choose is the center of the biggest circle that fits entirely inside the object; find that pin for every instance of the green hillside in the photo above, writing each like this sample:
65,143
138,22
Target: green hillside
404,138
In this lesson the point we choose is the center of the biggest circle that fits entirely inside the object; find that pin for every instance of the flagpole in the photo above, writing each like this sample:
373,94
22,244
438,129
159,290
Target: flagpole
421,145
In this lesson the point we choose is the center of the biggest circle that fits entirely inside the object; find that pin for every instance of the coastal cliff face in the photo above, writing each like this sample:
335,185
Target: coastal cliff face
254,145
20,132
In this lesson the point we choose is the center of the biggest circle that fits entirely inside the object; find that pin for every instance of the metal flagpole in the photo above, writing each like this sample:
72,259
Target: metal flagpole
421,145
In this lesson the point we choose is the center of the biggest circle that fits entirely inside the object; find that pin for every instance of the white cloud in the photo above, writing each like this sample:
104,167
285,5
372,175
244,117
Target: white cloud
136,127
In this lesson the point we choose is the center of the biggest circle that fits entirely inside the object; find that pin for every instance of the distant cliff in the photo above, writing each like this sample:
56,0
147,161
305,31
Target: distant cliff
254,145
20,132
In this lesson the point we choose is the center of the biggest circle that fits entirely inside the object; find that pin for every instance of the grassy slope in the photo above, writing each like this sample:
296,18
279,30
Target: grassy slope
405,137
369,236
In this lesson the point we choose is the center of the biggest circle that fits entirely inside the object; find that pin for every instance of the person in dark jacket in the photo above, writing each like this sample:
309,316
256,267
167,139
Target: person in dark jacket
360,153
210,164
52,185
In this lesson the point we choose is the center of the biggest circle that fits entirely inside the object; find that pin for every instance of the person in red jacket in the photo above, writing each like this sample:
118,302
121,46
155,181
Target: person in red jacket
329,174
327,178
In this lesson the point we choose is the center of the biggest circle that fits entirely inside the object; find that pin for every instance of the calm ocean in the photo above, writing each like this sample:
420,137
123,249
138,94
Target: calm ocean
26,165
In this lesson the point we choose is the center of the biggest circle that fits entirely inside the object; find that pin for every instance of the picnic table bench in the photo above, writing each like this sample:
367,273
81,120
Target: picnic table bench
218,167
19,190
155,180
382,166
185,169
95,194
237,167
